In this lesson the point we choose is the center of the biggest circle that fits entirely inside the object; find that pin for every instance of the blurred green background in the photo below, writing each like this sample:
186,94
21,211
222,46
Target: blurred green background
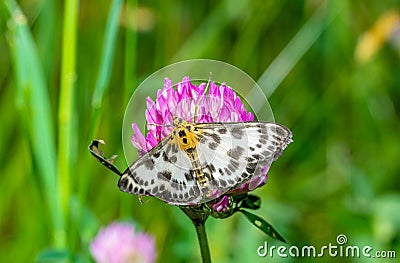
330,68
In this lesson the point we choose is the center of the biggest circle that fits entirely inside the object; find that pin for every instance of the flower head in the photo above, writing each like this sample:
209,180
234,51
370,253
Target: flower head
120,243
221,104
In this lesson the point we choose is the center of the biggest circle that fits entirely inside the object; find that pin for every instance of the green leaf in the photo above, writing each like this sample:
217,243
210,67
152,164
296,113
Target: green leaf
263,225
251,202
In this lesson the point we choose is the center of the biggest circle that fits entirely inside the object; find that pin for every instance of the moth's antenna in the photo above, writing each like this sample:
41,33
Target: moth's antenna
208,84
201,98
161,125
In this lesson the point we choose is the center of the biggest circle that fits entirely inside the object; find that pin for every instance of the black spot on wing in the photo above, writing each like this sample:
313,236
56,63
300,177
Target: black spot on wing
147,161
281,131
234,163
157,154
212,145
154,190
237,132
175,184
212,168
222,130
168,147
231,168
140,181
236,152
162,187
174,147
126,185
209,176
164,175
245,176
227,171
171,159
250,159
216,138
251,167
262,141
165,157
222,182
123,183
203,139
189,176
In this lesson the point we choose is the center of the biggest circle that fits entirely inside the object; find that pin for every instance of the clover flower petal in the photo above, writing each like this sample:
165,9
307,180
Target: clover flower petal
222,205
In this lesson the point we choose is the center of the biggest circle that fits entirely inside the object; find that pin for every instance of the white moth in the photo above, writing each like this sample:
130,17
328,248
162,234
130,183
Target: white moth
198,162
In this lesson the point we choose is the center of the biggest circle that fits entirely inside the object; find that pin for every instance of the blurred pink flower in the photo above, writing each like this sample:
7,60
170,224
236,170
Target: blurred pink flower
119,243
221,105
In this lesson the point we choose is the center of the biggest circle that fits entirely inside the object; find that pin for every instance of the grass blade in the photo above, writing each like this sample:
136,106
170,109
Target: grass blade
130,55
107,53
34,105
67,135
297,47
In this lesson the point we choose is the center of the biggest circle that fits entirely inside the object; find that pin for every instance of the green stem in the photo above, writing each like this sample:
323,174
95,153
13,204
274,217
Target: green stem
203,242
198,215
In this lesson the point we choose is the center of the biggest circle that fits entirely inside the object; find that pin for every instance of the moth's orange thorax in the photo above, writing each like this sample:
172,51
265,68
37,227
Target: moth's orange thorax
185,133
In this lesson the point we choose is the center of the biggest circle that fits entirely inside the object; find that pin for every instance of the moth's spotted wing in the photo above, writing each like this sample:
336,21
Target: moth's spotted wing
165,172
233,153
